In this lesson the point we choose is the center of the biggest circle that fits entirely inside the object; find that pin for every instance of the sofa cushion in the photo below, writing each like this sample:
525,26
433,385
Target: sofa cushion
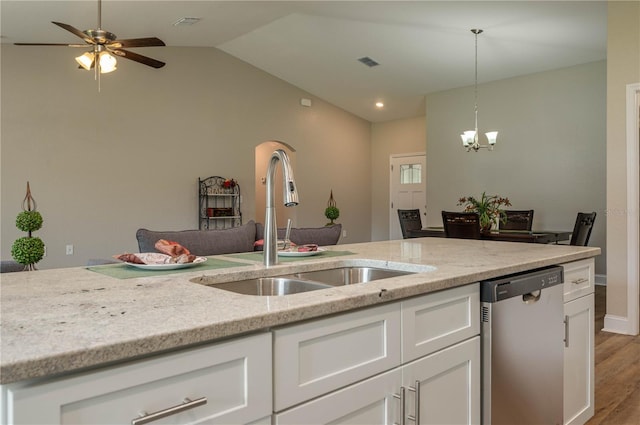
203,242
322,236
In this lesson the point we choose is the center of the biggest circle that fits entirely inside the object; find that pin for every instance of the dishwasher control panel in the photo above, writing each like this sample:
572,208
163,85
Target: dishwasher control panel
520,284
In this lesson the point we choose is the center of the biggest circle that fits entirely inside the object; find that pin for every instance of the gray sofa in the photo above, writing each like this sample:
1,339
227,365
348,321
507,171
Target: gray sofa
238,239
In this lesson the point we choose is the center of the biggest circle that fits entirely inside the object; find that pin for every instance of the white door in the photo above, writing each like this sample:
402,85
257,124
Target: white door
371,402
407,188
444,387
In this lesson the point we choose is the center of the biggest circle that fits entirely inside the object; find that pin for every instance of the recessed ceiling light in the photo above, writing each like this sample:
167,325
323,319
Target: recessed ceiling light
186,21
379,105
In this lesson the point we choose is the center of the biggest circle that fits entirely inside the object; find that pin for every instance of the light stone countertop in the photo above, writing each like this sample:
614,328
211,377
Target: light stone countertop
61,320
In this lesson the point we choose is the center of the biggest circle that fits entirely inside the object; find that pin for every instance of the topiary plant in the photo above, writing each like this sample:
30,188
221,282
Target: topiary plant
331,212
28,250
29,221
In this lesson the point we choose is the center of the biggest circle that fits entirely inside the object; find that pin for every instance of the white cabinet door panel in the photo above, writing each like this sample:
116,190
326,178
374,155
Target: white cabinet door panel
579,361
320,356
234,376
449,385
368,402
435,321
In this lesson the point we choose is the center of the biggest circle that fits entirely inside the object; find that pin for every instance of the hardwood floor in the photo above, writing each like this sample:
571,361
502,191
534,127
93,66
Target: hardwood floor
617,370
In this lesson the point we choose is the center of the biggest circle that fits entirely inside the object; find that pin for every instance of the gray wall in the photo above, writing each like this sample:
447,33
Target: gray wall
551,151
387,139
103,164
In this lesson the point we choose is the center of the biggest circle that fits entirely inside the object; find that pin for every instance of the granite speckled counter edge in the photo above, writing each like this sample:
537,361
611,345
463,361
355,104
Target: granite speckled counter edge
62,320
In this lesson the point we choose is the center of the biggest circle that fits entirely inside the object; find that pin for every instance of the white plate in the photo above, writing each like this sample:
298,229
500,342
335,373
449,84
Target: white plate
299,254
170,266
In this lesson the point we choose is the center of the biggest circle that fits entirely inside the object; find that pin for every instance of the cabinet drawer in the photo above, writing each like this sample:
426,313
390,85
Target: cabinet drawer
317,357
579,278
233,376
434,321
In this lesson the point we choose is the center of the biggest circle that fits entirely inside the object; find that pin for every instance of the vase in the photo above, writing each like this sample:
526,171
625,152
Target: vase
486,228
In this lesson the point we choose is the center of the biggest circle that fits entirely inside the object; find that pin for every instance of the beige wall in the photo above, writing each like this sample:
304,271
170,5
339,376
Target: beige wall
102,165
550,155
389,138
623,67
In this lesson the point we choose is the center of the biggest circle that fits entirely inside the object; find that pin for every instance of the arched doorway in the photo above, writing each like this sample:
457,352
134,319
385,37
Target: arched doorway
262,157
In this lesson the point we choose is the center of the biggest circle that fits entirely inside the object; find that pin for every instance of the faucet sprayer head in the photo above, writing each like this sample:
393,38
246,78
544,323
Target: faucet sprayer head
290,194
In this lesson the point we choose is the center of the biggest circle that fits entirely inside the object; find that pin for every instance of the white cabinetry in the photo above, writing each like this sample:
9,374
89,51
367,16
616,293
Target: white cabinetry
228,382
579,342
335,360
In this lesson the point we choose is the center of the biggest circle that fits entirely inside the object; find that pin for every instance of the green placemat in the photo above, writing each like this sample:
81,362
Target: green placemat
257,256
123,271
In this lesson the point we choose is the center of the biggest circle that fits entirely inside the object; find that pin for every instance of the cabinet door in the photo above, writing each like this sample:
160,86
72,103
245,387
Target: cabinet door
445,386
579,361
320,356
233,376
435,321
369,402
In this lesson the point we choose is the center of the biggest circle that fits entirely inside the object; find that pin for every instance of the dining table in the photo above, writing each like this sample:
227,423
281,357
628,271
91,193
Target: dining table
529,236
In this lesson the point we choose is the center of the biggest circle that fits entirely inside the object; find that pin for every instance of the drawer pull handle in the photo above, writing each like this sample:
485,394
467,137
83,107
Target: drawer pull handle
187,404
401,398
580,280
566,331
416,390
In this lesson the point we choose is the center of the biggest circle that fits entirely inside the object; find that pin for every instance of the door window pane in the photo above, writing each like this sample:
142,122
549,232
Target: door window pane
410,173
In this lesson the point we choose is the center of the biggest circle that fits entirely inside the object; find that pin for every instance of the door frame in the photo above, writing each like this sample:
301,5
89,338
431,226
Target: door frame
631,323
391,158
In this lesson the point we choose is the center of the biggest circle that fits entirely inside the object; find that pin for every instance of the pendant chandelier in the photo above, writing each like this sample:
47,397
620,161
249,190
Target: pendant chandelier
470,137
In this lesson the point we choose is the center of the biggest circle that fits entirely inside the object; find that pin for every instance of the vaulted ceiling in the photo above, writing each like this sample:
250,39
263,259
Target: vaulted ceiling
421,46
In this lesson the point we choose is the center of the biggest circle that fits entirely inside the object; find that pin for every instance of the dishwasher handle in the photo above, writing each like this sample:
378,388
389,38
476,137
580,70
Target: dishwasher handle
532,297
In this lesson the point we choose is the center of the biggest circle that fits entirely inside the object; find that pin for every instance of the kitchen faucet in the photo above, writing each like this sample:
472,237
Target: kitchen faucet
290,200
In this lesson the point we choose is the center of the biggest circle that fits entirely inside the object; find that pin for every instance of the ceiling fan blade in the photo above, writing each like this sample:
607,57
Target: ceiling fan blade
50,44
137,42
75,31
138,58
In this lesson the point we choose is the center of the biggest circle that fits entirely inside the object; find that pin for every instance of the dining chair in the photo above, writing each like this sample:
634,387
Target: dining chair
517,220
409,220
464,225
582,229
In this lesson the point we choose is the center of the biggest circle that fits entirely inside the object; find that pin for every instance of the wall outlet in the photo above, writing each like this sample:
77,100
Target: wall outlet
45,251
344,233
69,249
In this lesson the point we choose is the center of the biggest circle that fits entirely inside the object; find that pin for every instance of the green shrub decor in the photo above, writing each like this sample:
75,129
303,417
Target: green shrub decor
331,212
29,221
28,250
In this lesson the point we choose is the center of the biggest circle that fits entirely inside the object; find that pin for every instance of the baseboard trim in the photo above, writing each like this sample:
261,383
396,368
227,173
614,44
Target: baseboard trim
617,324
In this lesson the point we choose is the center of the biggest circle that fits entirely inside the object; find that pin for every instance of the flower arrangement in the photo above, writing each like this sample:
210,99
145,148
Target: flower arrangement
229,183
487,207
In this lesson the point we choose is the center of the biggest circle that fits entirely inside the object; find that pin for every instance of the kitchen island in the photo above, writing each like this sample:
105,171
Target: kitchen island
59,321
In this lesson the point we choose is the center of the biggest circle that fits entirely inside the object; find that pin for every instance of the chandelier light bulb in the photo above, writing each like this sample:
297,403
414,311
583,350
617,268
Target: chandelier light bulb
86,60
107,63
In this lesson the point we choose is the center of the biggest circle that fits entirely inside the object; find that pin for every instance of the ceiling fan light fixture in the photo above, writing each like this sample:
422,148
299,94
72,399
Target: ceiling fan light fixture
86,60
108,62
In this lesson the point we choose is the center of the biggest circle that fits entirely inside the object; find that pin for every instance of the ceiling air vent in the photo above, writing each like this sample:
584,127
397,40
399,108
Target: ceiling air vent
186,21
368,61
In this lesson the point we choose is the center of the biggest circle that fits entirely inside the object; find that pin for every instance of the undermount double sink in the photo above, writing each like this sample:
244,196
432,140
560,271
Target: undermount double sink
293,283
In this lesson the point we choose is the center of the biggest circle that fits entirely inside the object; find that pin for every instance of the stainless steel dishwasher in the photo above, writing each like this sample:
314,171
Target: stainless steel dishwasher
522,348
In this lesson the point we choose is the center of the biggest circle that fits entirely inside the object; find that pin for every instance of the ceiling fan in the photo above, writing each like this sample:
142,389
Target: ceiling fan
104,45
